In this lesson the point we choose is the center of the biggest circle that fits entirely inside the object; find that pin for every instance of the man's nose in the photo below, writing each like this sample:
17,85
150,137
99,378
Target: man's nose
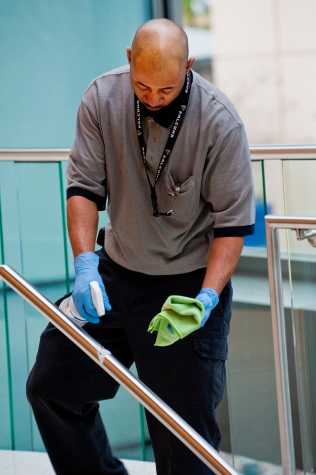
153,100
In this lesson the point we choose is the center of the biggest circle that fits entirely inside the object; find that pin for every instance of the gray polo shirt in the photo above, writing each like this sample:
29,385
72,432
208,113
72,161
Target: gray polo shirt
207,181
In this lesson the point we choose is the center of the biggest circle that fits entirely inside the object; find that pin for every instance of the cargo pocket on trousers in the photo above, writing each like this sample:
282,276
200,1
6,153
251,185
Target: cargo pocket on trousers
211,355
215,348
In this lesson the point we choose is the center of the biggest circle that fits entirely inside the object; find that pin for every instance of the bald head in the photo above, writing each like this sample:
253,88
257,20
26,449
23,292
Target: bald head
159,61
158,42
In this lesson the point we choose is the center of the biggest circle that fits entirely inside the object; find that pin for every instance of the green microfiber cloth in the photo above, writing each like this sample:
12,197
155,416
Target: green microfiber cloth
178,317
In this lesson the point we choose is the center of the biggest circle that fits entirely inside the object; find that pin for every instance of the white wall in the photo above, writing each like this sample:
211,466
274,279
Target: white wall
265,60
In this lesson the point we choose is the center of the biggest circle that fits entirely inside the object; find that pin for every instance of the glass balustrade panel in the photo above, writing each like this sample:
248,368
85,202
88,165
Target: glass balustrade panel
300,200
249,411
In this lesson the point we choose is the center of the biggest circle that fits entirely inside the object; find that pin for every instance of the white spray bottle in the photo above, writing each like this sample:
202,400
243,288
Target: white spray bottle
68,306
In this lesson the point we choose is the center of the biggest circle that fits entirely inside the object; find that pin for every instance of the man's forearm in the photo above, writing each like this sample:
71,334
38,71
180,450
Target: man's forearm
82,224
223,258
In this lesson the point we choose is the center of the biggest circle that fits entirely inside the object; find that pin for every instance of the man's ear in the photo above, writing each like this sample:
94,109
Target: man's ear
190,63
129,55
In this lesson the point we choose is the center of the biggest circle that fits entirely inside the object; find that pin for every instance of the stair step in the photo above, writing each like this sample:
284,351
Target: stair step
136,467
15,462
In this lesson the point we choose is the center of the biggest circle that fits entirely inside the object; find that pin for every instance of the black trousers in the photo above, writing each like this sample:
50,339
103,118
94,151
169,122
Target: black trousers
64,386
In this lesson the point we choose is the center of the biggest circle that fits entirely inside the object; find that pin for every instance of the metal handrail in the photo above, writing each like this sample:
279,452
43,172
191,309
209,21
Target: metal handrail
273,224
167,416
257,152
282,152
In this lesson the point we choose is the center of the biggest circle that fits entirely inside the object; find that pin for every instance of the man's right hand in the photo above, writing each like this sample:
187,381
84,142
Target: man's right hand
86,271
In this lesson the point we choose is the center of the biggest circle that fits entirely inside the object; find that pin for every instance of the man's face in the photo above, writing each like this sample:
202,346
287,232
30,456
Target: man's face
156,89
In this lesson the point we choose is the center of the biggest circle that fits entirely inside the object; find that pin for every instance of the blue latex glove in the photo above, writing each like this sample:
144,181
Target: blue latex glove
86,270
209,298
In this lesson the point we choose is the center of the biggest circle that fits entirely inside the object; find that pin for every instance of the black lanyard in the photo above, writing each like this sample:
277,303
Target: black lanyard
172,137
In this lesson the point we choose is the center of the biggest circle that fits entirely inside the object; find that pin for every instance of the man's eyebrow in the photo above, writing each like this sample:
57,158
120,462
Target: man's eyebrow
141,83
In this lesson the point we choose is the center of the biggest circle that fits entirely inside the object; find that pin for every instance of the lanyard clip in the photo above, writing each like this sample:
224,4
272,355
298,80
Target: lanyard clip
157,213
154,202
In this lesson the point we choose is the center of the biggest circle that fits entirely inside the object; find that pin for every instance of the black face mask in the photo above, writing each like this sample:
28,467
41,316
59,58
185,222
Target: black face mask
166,115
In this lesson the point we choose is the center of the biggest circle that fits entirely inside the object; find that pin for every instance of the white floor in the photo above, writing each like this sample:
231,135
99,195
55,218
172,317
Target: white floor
37,463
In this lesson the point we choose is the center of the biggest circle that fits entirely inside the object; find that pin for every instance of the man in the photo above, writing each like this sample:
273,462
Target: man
168,153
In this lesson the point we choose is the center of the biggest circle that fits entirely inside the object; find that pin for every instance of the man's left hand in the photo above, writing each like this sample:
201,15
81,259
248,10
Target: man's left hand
209,298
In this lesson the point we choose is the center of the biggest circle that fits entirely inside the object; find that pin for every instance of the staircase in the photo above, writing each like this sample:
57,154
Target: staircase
37,463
